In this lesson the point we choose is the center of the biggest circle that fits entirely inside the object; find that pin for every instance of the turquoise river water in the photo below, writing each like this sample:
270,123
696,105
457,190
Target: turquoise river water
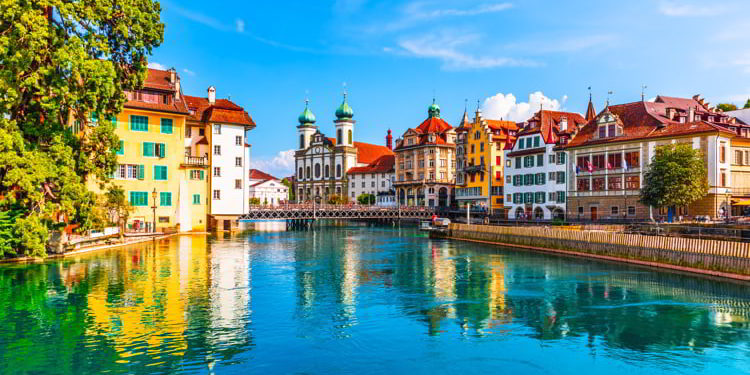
358,300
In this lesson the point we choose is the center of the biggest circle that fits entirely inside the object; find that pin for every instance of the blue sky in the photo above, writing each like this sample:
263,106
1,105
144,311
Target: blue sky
394,56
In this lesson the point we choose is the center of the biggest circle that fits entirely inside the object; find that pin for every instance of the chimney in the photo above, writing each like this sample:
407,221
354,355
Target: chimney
211,94
172,74
670,113
564,123
691,114
389,140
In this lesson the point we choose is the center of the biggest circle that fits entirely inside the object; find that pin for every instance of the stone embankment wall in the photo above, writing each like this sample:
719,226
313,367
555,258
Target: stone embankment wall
713,255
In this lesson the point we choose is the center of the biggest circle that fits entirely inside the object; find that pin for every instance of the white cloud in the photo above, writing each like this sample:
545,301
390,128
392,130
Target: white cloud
280,166
445,47
157,66
239,25
505,106
199,17
419,11
188,72
686,9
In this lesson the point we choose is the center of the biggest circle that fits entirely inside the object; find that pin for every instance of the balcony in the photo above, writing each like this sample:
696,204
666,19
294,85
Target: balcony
195,161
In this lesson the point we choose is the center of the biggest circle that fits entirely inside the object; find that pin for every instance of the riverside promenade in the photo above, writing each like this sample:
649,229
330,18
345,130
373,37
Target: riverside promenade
726,259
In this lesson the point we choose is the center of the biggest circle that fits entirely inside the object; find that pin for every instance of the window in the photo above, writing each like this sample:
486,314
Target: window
338,170
151,149
520,144
139,123
217,149
339,137
631,210
552,176
217,171
481,160
540,160
188,132
584,184
580,210
614,161
432,163
560,197
582,162
508,179
509,198
560,158
130,172
472,149
614,183
217,195
326,172
307,172
723,177
317,170
552,158
633,159
598,161
196,199
363,184
737,157
238,184
615,210
597,184
166,126
539,179
238,140
518,162
196,174
528,161
165,199
536,141
301,141
722,153
238,161
602,132
372,183
633,182
201,132
481,147
299,173
350,137
560,177
528,179
139,198
160,172
217,128
121,149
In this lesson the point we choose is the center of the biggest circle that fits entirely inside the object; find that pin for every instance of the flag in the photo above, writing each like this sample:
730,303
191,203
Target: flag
625,164
578,169
589,166
609,165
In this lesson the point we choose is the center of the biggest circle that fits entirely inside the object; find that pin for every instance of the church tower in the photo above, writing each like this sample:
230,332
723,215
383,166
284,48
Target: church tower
344,125
306,127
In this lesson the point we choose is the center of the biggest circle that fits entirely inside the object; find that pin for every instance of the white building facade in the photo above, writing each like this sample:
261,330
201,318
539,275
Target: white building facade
267,189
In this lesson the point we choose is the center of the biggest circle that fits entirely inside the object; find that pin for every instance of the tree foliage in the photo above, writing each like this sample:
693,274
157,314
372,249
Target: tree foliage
290,186
366,199
726,107
60,62
337,199
747,104
254,201
676,176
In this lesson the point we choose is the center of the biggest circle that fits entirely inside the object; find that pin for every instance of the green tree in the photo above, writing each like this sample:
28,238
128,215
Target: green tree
366,199
677,176
747,103
64,62
726,107
290,186
117,207
254,201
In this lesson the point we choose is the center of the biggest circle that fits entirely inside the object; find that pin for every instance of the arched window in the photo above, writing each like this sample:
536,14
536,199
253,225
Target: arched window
338,170
300,173
339,139
327,173
350,137
307,172
301,141
317,170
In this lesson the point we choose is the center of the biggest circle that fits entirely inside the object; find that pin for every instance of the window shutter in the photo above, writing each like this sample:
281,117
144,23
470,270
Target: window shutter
201,175
162,149
148,149
141,172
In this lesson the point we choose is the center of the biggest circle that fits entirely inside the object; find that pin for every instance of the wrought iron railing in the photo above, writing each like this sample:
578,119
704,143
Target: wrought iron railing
201,161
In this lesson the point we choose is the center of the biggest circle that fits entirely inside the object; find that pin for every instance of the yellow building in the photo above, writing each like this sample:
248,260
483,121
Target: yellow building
481,145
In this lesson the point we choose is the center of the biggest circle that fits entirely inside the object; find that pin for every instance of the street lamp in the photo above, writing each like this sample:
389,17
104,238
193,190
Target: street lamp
728,209
153,197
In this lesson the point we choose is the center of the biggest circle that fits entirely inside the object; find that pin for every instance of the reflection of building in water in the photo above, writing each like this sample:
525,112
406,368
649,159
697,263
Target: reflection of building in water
230,292
349,281
497,291
151,308
445,279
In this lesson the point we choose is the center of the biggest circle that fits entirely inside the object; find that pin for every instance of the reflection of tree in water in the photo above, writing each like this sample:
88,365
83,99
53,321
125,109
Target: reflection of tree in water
119,311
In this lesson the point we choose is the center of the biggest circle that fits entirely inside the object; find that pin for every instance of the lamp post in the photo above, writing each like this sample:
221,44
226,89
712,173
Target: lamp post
153,197
729,208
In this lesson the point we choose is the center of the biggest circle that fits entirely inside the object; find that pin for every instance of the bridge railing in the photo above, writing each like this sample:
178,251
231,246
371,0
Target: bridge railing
336,207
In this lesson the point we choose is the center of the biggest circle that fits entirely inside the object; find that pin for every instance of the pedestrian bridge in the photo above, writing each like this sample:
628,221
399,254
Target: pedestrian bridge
327,211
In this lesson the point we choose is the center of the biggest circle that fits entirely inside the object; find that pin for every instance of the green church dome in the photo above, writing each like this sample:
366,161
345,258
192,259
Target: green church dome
344,111
307,117
434,109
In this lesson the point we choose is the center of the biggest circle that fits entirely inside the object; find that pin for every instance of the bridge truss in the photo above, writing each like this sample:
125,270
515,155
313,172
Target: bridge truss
343,212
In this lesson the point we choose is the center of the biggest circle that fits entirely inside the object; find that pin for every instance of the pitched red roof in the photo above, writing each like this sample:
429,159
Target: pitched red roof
160,80
547,123
222,111
367,152
501,125
433,125
256,174
641,120
383,164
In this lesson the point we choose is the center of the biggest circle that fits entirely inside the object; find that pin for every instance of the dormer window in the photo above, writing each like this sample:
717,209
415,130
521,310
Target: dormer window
410,141
608,129
563,123
476,135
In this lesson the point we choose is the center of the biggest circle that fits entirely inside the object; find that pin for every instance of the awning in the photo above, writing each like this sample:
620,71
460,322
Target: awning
740,202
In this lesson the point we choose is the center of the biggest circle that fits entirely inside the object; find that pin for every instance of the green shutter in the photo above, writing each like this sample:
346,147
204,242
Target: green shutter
148,149
196,199
113,119
94,117
562,158
536,141
202,176
138,123
165,199
162,150
166,126
543,178
121,150
141,172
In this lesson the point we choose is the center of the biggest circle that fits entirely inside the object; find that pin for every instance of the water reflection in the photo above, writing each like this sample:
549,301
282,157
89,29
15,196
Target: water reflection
344,299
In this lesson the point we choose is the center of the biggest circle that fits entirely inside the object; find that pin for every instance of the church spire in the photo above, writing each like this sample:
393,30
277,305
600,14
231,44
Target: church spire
590,111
